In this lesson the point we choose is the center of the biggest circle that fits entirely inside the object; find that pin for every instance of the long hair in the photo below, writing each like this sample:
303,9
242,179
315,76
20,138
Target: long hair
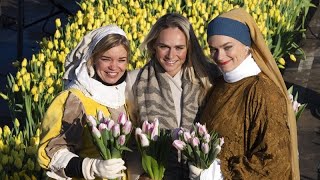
197,66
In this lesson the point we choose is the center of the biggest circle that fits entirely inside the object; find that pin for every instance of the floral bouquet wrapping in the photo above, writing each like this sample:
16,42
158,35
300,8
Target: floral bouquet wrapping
297,107
153,145
110,136
197,145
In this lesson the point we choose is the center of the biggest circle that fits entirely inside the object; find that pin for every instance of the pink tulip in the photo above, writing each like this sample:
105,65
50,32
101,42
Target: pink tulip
110,124
121,140
181,131
155,129
175,133
144,140
126,128
193,134
91,121
116,130
156,123
205,148
154,134
100,116
137,133
106,120
221,141
296,106
186,136
195,141
207,138
145,126
202,130
96,132
219,146
102,126
149,127
122,118
179,145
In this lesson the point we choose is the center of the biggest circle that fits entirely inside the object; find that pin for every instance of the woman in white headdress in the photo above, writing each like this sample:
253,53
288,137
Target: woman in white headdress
95,73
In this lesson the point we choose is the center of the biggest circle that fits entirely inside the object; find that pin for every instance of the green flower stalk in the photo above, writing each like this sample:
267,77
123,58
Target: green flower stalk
153,145
109,136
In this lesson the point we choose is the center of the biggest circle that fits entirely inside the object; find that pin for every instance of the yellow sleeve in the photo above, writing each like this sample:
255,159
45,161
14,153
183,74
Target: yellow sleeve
51,126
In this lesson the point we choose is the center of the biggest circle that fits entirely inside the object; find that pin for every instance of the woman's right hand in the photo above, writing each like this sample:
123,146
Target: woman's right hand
109,169
212,173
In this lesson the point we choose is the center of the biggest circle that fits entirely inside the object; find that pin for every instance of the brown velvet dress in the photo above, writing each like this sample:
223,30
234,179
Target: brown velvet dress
251,116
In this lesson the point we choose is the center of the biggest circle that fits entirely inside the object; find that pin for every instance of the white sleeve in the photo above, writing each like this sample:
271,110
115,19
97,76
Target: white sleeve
59,162
213,172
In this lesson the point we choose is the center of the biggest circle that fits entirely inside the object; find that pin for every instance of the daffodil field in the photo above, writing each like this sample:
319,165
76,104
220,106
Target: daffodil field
39,79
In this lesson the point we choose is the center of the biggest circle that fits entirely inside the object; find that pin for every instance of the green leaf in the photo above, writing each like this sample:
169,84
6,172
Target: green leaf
300,111
103,150
146,163
124,148
155,169
115,153
290,89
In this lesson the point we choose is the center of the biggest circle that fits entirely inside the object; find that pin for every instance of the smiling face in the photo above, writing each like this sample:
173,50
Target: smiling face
228,53
111,65
171,50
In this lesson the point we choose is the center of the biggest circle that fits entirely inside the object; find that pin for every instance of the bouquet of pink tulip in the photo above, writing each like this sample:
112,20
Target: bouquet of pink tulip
297,107
153,145
109,136
197,145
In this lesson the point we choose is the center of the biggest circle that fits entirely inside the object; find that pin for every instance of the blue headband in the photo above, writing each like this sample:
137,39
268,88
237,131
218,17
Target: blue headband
231,28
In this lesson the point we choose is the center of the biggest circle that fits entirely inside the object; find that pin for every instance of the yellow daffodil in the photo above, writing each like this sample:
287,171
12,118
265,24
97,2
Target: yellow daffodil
293,58
1,145
50,44
16,122
58,22
34,90
3,96
15,88
50,90
83,6
23,88
41,57
6,131
24,62
36,97
57,34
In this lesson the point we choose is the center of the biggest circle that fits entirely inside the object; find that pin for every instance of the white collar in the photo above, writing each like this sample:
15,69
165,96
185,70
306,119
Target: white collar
246,69
110,96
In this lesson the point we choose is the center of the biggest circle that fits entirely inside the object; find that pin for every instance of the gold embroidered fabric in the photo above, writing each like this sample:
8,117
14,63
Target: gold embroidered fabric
250,114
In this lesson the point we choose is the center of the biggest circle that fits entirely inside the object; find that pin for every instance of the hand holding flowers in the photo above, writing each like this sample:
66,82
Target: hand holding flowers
201,149
199,146
110,137
153,145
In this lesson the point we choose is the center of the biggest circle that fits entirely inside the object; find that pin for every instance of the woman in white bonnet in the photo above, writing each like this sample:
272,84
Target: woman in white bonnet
95,73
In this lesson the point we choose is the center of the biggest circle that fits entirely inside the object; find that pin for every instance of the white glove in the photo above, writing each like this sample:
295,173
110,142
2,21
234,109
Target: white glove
212,173
194,172
109,169
56,176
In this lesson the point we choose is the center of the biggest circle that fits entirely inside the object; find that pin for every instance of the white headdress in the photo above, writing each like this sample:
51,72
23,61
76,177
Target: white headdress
77,74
